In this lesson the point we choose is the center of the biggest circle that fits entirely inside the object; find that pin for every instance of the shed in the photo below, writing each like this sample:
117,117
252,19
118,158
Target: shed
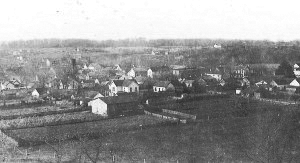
114,105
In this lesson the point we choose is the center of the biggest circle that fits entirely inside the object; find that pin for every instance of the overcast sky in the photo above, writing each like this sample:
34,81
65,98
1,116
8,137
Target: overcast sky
119,19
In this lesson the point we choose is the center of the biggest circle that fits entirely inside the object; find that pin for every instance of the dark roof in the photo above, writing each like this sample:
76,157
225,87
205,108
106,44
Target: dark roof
140,69
283,81
118,82
162,83
176,83
119,99
160,68
41,90
127,82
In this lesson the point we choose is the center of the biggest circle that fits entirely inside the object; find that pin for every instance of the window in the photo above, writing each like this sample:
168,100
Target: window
130,89
136,89
155,89
113,89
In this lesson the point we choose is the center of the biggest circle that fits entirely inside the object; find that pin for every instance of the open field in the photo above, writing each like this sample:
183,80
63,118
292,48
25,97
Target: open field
63,132
218,108
217,140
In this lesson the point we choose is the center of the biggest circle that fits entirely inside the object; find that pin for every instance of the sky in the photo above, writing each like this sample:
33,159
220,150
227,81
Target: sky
151,19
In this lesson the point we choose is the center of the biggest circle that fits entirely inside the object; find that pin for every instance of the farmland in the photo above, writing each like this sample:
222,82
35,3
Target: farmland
32,110
56,119
216,140
63,132
38,111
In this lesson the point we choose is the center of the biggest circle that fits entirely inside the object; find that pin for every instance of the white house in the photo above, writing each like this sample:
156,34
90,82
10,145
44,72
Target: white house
115,86
98,107
188,83
217,46
215,75
162,86
297,69
295,83
150,73
35,94
262,82
97,81
131,73
118,68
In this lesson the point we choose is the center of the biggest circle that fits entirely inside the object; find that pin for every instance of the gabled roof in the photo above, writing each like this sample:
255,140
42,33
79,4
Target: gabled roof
140,79
189,81
283,81
119,99
42,90
137,69
162,83
118,83
176,67
160,68
127,82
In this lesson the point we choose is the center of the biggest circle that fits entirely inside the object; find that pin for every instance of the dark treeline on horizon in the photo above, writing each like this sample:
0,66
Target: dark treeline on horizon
138,42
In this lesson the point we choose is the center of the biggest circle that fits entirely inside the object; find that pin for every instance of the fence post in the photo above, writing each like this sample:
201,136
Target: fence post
144,160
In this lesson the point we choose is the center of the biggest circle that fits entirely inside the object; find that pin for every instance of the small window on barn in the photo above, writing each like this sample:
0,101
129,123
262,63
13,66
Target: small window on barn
135,89
113,89
155,89
130,89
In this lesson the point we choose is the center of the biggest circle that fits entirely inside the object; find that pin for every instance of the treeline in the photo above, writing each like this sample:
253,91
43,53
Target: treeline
139,42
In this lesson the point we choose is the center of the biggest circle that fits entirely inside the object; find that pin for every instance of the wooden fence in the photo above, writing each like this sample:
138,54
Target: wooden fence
166,117
185,115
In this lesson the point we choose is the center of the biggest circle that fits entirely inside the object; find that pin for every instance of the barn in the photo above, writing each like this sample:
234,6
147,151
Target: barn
114,105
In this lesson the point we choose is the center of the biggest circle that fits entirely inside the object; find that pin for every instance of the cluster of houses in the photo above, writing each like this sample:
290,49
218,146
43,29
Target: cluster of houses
110,89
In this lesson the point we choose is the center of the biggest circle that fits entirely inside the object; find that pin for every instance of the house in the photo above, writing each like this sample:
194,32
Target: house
160,71
140,71
140,79
188,83
215,73
131,73
187,72
295,83
162,86
149,73
281,84
39,92
130,86
115,86
239,72
201,82
297,69
98,95
177,69
217,46
262,82
12,84
178,86
117,68
114,105
262,69
56,83
72,83
35,94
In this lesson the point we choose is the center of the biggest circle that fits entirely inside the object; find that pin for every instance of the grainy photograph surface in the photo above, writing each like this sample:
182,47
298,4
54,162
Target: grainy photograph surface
149,81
